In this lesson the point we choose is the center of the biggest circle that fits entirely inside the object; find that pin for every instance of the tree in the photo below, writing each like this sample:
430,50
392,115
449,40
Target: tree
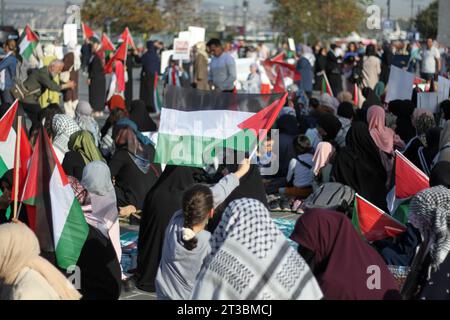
179,14
427,21
319,18
139,15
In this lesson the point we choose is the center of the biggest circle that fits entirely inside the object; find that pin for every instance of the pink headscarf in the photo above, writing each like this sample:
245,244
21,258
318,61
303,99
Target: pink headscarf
381,135
322,156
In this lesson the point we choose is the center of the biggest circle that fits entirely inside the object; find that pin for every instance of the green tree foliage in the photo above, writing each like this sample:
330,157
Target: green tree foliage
319,18
139,15
427,21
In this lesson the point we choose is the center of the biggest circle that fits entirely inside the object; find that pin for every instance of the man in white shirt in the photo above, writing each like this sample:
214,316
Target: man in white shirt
431,61
222,69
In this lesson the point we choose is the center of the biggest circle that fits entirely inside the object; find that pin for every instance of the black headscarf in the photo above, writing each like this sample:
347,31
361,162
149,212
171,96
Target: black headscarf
330,124
139,114
345,110
403,110
288,124
440,175
250,186
162,201
359,166
371,99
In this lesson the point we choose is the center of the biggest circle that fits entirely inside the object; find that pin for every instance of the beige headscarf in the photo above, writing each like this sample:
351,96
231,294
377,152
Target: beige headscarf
201,49
19,248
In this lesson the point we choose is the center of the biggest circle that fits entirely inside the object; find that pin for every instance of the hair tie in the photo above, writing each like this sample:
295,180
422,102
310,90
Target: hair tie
188,234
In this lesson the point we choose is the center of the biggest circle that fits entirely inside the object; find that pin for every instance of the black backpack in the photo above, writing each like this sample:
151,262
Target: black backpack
332,196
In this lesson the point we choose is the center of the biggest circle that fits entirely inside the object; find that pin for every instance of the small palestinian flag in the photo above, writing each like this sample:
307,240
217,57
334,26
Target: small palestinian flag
156,95
373,223
326,88
27,42
126,37
195,123
107,45
409,180
120,54
355,95
279,86
87,32
59,224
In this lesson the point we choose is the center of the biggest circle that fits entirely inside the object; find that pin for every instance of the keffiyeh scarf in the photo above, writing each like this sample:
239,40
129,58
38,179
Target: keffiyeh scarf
63,127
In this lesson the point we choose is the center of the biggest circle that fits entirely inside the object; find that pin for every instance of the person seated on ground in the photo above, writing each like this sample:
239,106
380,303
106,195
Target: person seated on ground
300,176
322,164
63,128
161,202
444,144
444,107
132,167
107,145
340,259
46,117
100,257
139,114
24,275
186,242
428,153
359,166
430,214
244,248
82,151
423,121
440,175
6,202
84,119
328,127
345,114
385,139
403,110
116,102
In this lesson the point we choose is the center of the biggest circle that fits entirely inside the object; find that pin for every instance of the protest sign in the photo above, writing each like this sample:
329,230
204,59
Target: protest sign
443,89
428,100
400,85
291,44
181,49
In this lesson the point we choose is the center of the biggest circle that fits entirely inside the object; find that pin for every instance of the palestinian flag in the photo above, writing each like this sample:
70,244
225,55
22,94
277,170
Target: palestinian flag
289,70
107,45
120,54
355,95
127,38
7,143
326,88
87,32
156,95
27,42
24,153
59,222
279,57
195,123
279,86
409,180
373,223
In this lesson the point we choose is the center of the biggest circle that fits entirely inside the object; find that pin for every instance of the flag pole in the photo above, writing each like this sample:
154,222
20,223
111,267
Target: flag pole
17,166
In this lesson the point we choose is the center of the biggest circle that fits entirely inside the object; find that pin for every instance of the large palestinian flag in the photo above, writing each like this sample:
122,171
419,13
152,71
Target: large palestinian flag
195,124
59,221
409,180
27,42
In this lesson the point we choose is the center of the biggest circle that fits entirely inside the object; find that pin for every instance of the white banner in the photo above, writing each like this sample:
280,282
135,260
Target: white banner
70,33
181,49
428,100
400,85
443,89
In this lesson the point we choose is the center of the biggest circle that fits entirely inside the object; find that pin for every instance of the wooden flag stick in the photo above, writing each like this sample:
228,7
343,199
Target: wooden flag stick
17,166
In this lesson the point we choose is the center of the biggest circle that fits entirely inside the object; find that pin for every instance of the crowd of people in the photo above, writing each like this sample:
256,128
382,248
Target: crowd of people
209,234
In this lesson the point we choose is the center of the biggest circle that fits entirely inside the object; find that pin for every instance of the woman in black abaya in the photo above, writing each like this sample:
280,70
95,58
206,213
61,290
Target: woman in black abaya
163,200
359,166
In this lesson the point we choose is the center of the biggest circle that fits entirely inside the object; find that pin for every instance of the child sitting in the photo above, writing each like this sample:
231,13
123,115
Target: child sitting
186,242
300,175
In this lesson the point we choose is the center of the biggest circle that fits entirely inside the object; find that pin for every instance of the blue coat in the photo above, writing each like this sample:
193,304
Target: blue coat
306,71
9,64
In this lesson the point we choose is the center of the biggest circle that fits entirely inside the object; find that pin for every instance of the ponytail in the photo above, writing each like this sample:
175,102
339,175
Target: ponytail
197,203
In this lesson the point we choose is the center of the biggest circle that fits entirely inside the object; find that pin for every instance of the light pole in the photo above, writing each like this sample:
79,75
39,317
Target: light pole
3,12
245,9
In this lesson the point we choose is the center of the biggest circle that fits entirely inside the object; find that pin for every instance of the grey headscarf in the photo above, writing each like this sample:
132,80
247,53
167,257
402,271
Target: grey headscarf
83,117
430,214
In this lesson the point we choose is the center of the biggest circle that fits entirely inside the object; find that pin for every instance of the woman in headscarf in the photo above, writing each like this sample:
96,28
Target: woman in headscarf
132,166
139,114
49,96
322,166
253,83
160,204
72,64
327,129
82,151
334,69
422,121
345,114
371,99
319,68
107,145
151,65
63,127
430,214
116,102
46,118
403,110
339,259
99,260
83,117
248,250
201,67
385,138
24,275
96,80
386,61
444,143
427,154
440,175
359,166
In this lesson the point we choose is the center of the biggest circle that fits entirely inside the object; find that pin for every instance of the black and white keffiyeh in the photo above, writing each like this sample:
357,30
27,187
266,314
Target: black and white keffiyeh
430,214
63,127
252,260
